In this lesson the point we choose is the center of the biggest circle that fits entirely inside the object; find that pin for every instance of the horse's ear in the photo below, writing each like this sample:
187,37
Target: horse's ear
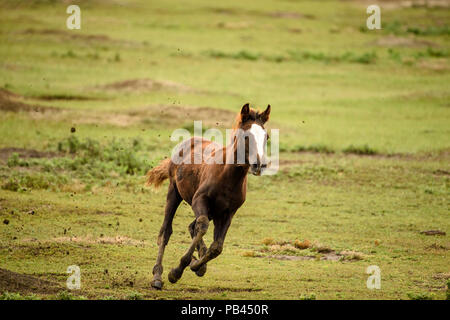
265,115
245,112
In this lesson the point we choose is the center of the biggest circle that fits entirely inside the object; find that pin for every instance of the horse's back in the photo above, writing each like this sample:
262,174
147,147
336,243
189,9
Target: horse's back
188,166
195,150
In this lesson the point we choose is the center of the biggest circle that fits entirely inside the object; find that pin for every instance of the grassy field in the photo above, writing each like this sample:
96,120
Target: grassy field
364,120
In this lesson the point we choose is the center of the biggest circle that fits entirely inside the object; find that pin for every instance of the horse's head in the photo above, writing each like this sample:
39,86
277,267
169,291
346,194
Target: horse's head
251,138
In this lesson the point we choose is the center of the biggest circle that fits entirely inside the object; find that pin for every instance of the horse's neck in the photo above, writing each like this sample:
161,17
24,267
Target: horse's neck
236,172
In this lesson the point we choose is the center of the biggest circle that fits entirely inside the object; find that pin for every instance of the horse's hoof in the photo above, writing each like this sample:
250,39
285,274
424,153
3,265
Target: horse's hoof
201,272
157,284
173,276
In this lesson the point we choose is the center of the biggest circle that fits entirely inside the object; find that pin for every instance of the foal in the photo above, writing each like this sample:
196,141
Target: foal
215,191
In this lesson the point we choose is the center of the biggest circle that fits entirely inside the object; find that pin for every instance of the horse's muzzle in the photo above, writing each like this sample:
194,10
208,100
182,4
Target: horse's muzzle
257,168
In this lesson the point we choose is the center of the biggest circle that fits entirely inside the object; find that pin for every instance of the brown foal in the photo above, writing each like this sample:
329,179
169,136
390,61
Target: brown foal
215,191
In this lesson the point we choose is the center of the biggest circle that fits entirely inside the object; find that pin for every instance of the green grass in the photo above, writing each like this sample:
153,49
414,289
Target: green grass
364,134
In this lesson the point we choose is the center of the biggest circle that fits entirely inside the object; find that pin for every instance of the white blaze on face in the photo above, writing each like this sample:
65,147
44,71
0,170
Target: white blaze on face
260,137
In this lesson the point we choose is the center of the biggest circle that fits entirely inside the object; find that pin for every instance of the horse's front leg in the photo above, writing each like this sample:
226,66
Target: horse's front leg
220,231
201,248
200,208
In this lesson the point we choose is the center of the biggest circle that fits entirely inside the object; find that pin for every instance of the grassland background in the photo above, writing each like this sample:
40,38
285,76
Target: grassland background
364,124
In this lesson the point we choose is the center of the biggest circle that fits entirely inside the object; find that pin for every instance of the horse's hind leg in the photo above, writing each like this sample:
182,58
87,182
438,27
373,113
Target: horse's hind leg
201,248
200,207
173,201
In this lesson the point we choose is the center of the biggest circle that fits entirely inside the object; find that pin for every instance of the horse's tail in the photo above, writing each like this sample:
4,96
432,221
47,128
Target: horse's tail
158,174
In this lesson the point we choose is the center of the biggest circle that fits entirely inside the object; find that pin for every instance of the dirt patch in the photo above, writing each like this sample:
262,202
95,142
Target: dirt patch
25,284
331,256
210,116
291,162
67,35
88,40
274,14
290,258
395,4
433,233
324,256
295,30
13,67
9,101
101,240
67,97
437,65
227,11
119,120
106,213
290,15
222,289
145,85
6,94
443,275
441,172
407,42
5,153
291,250
352,255
238,25
436,246
164,115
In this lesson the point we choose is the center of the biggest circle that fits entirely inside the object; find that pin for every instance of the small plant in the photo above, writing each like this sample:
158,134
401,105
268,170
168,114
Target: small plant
429,31
448,290
26,181
97,160
11,185
433,53
17,296
65,295
394,27
245,55
365,58
14,161
190,127
360,150
305,244
420,296
308,297
250,254
319,148
11,296
69,54
268,241
394,55
135,296
240,55
93,56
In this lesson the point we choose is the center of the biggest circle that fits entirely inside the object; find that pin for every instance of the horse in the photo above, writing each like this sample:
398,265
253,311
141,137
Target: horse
215,191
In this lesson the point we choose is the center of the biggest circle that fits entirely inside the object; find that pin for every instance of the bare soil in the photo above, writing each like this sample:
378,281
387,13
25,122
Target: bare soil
164,114
144,85
407,42
25,284
9,101
5,153
69,35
